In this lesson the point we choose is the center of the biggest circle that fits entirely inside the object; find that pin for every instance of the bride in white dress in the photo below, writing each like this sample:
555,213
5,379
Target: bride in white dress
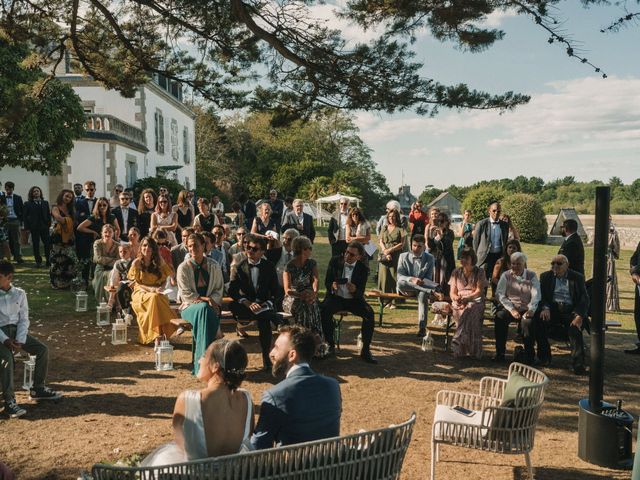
214,421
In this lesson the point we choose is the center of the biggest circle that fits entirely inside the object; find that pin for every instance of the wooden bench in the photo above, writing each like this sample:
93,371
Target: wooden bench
382,296
375,454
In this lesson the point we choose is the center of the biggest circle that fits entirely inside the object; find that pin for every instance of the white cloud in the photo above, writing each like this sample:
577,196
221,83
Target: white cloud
419,152
454,150
352,33
496,18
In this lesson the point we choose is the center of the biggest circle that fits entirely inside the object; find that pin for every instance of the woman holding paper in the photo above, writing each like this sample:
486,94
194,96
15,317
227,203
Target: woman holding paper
151,306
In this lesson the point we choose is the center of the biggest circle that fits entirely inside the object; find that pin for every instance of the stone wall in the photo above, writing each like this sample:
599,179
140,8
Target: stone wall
628,227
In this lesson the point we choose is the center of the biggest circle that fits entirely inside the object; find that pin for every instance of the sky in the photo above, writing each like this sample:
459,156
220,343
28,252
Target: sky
576,124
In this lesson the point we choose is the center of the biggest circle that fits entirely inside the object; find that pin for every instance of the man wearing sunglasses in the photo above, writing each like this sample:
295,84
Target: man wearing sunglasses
254,287
84,208
126,216
345,282
337,230
490,239
562,312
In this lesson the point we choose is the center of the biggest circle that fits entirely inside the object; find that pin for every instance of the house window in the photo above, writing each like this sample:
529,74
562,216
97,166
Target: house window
175,155
159,131
131,170
185,146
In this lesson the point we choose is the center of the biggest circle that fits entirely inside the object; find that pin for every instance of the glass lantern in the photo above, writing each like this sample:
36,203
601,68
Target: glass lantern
119,332
29,371
103,315
164,356
427,343
81,301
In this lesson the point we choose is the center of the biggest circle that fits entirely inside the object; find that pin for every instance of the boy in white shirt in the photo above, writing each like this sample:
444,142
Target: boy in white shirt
14,326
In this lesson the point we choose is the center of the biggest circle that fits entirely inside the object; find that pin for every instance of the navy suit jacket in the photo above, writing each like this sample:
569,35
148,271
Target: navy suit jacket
303,407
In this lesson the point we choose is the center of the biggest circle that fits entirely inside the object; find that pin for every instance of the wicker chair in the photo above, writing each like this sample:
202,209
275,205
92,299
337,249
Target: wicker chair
493,427
376,454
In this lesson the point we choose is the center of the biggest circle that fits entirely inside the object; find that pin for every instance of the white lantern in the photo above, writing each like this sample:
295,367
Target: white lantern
164,356
359,342
29,370
427,343
81,301
119,332
103,315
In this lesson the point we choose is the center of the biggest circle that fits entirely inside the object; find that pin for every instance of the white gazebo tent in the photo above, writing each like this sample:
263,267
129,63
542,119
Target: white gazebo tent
335,198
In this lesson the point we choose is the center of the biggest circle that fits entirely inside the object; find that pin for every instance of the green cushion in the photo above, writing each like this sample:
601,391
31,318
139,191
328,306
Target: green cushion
516,382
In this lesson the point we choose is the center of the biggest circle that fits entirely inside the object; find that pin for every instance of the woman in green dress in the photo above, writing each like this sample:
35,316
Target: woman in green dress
200,286
105,254
391,244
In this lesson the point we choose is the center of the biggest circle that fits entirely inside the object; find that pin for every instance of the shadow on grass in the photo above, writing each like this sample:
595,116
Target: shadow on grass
551,473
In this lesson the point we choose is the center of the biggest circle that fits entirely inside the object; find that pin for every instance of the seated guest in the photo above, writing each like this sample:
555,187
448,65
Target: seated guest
205,220
518,292
165,219
304,406
162,240
283,254
467,286
119,272
237,247
151,306
216,420
564,305
263,223
134,240
105,254
220,251
146,208
345,282
300,280
415,276
184,211
179,251
126,216
254,287
242,253
14,328
299,220
200,286
503,264
238,220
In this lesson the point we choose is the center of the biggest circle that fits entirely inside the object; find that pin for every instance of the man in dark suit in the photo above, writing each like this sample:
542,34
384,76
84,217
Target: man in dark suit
254,287
303,222
126,216
15,210
37,220
490,239
337,231
83,209
345,281
249,209
572,247
563,308
635,277
304,406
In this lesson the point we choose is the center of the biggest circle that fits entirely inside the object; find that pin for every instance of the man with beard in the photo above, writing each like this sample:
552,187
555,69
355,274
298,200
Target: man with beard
304,406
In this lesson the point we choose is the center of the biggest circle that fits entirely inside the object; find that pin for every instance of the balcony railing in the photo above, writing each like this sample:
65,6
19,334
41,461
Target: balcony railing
102,123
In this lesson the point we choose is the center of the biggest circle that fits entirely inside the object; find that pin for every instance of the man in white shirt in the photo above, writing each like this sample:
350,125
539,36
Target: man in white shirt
14,326
337,230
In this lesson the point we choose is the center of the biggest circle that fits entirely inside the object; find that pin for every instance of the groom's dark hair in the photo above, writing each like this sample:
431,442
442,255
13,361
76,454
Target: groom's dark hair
302,340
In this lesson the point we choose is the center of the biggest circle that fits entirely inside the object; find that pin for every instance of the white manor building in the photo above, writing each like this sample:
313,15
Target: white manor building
152,134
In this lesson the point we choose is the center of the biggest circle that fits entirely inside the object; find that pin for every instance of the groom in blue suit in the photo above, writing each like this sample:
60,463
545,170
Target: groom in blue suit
415,276
304,406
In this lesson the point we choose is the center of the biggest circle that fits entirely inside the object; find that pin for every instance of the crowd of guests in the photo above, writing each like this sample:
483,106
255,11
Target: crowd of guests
191,254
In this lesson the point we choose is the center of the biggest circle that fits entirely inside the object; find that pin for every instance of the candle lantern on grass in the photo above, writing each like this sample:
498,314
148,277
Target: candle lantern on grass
29,371
119,332
103,315
427,343
81,301
164,356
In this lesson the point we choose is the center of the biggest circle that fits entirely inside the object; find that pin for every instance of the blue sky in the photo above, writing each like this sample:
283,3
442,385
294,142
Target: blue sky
576,123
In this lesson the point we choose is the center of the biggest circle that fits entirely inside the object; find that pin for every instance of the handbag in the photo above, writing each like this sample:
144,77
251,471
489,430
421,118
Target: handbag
382,258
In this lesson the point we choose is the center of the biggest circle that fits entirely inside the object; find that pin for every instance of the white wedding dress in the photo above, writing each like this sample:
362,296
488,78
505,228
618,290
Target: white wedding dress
195,443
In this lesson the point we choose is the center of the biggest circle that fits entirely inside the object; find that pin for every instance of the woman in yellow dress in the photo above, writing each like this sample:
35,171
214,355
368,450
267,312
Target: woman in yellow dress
150,272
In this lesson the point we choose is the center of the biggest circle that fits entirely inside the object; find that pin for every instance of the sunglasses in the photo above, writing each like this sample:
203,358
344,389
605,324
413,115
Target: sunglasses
253,249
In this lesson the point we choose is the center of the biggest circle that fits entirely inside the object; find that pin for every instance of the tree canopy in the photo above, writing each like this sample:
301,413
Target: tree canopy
306,159
271,55
39,116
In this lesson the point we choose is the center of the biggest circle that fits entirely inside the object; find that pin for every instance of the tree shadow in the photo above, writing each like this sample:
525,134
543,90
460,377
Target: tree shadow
551,473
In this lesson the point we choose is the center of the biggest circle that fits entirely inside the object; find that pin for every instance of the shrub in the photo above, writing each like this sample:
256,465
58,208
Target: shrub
478,200
527,215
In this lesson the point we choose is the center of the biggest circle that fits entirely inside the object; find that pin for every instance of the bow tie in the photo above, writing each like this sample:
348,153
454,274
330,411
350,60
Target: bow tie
495,223
253,265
